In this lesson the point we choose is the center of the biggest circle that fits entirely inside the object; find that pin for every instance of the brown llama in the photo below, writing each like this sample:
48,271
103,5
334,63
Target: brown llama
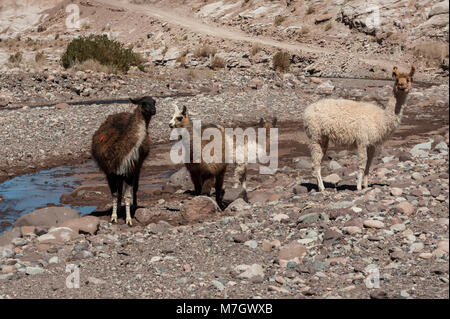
202,174
120,146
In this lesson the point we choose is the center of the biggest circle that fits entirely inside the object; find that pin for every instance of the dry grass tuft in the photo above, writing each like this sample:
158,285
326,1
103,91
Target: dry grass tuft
281,61
205,51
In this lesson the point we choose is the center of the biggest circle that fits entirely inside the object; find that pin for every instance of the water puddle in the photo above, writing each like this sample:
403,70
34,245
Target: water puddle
25,193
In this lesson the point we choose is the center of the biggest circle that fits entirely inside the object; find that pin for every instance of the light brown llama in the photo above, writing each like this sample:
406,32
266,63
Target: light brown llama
354,124
202,173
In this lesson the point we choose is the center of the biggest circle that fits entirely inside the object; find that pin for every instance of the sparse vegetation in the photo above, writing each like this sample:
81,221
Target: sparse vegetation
217,63
205,51
432,51
182,58
279,20
305,30
255,49
101,49
281,61
15,59
41,28
40,57
95,66
310,10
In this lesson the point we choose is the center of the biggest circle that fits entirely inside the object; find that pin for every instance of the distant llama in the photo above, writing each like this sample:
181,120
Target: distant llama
240,172
360,125
120,146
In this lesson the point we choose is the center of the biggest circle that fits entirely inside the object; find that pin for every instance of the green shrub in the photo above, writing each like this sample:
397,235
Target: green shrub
279,20
98,47
281,61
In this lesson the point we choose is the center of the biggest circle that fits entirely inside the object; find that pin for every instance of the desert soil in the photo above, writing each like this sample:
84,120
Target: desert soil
287,240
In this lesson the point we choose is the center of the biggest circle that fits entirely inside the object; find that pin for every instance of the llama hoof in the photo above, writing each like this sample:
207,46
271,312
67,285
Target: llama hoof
114,219
129,223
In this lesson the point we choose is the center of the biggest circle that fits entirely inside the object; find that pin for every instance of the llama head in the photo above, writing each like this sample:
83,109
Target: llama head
268,125
180,118
403,81
147,104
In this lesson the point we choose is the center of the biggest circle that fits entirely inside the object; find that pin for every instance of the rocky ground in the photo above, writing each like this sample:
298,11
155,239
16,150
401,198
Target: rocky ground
286,240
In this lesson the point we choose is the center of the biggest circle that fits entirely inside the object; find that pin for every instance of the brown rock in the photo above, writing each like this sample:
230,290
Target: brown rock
48,216
27,230
200,208
404,208
292,252
83,225
58,236
62,106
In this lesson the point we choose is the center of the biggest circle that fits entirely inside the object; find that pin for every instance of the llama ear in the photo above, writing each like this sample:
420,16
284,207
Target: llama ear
261,122
184,111
395,72
411,73
133,101
176,109
274,122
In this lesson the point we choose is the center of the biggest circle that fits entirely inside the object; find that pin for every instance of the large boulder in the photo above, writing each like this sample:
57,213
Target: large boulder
48,216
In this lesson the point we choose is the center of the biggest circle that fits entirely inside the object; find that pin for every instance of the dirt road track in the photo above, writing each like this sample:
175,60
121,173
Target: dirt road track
197,26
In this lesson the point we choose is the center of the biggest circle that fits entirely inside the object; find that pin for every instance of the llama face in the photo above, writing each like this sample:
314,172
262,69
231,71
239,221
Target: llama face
179,118
403,81
148,105
267,125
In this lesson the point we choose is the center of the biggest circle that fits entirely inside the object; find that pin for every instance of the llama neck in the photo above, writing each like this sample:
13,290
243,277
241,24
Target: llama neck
394,110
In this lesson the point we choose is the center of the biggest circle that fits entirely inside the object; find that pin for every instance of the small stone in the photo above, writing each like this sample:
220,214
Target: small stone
404,208
34,270
218,285
416,247
280,217
398,227
351,230
395,191
54,260
251,243
332,179
372,223
334,166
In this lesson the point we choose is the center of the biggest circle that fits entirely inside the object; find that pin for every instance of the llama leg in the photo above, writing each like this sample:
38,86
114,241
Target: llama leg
128,197
240,176
197,181
317,154
113,186
362,160
370,155
135,189
218,186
